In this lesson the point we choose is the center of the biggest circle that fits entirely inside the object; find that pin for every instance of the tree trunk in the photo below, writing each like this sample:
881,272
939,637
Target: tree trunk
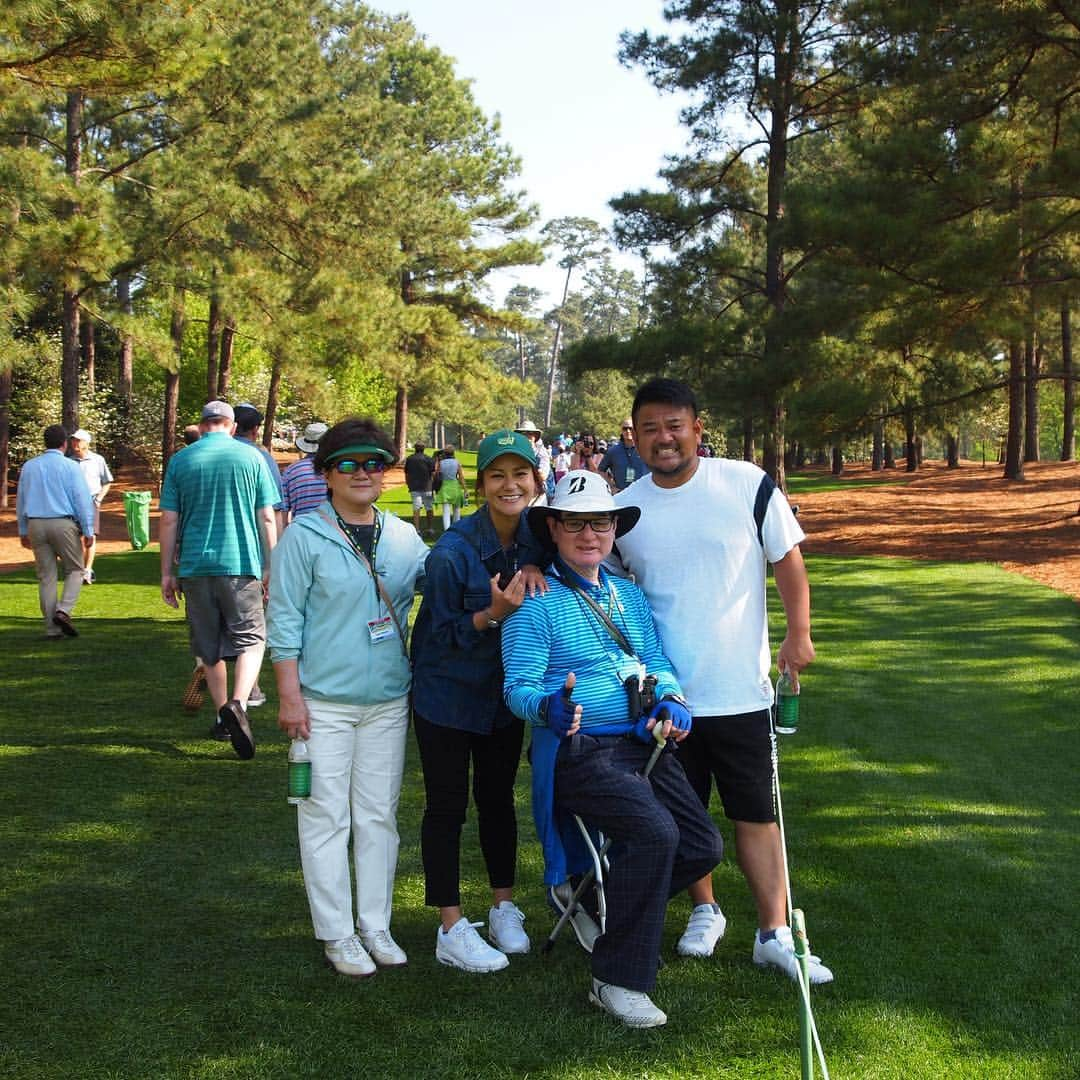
877,455
401,421
1014,440
69,332
5,433
228,333
1032,363
556,345
1068,421
172,380
911,453
837,461
125,371
213,340
88,350
748,436
952,451
272,394
889,458
772,445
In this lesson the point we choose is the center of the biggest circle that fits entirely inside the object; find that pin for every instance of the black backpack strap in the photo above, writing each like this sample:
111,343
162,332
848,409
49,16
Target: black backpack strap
761,504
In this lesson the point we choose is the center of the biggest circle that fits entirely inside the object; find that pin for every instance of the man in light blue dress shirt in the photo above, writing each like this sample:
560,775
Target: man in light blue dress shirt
56,522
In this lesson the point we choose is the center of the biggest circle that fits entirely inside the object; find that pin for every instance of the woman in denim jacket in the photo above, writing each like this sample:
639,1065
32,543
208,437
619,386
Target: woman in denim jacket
475,580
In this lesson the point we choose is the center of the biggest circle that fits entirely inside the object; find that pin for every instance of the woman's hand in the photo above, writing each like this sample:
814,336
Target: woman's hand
504,602
534,579
293,718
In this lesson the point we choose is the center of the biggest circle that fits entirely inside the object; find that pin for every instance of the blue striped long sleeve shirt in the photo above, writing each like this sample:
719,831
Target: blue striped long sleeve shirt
556,632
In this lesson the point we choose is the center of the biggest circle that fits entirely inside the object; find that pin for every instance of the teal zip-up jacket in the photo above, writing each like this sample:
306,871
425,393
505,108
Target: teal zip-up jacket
322,600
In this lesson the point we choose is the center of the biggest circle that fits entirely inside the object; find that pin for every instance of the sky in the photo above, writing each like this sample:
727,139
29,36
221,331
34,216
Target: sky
585,128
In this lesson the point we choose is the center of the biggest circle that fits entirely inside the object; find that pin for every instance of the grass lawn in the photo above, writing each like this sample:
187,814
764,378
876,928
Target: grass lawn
155,923
810,483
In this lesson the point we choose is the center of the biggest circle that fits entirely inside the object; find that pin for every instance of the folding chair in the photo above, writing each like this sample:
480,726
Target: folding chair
600,865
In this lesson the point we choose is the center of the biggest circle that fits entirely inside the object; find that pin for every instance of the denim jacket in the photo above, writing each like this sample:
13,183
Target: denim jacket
457,669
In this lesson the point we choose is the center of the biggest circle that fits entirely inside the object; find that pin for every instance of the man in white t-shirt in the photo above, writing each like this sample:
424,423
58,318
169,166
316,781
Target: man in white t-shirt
708,529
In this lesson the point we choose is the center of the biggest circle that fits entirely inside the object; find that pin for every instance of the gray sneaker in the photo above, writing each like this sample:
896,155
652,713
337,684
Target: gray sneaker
462,947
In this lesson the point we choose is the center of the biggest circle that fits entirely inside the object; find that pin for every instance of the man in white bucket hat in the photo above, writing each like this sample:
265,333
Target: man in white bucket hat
304,488
585,667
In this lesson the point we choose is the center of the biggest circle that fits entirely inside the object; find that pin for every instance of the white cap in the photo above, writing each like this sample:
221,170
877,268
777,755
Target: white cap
82,435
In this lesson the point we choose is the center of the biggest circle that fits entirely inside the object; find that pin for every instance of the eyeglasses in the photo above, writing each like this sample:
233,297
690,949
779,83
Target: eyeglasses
628,427
347,466
577,524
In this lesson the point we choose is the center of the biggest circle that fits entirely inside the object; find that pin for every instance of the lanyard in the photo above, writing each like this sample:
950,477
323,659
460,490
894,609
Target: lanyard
604,616
371,570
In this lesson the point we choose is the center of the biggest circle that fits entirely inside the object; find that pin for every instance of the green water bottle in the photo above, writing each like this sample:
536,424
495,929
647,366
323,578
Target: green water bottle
787,705
299,772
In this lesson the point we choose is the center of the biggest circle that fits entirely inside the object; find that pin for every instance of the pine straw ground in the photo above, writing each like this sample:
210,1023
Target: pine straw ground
970,514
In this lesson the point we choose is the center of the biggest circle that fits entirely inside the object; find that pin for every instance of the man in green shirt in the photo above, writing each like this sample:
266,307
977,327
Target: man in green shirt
217,506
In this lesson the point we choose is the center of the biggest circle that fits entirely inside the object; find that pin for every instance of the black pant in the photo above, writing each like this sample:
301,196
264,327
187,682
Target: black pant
662,841
445,754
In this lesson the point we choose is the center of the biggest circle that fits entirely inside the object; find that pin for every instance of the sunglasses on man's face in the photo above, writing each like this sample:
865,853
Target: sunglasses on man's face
577,524
348,466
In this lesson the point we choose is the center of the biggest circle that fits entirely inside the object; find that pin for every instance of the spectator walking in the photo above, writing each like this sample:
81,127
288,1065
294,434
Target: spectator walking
248,421
543,458
95,470
217,504
451,486
419,477
56,522
302,485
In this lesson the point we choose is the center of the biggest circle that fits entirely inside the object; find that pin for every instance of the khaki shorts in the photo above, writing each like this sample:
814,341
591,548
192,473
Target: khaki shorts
225,616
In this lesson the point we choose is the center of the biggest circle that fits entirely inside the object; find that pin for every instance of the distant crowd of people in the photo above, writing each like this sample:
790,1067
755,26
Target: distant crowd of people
599,595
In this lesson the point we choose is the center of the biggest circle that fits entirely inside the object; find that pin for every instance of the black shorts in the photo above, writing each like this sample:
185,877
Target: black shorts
736,752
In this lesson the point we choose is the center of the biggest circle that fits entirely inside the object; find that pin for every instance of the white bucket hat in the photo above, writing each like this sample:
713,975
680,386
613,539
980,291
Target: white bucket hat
581,492
527,427
309,441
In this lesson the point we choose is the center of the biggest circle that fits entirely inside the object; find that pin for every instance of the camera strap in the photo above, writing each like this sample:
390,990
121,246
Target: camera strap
603,616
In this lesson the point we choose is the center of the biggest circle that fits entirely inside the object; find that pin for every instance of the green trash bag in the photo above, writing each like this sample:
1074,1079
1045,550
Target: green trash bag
137,515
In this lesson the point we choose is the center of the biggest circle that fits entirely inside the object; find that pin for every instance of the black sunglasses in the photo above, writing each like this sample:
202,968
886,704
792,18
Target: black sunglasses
348,466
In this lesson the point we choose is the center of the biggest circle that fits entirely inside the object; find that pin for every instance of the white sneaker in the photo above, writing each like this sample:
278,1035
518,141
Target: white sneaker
632,1007
383,949
462,947
506,930
704,929
347,957
256,699
780,953
585,927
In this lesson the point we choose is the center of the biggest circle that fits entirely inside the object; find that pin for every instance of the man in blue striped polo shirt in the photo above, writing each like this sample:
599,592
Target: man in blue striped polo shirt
575,659
217,500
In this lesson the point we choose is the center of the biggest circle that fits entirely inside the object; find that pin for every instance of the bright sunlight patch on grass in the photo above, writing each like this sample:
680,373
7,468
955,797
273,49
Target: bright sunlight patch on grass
156,925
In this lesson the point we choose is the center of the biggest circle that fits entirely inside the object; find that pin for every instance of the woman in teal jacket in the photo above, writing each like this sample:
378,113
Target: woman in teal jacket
342,582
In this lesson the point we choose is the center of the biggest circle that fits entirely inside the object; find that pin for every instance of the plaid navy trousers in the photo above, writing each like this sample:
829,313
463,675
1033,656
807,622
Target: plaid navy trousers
662,841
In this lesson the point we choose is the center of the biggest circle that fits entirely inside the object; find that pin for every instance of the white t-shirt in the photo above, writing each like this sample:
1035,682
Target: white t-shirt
696,554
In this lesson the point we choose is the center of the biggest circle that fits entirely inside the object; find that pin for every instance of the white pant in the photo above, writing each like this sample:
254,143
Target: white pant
357,759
